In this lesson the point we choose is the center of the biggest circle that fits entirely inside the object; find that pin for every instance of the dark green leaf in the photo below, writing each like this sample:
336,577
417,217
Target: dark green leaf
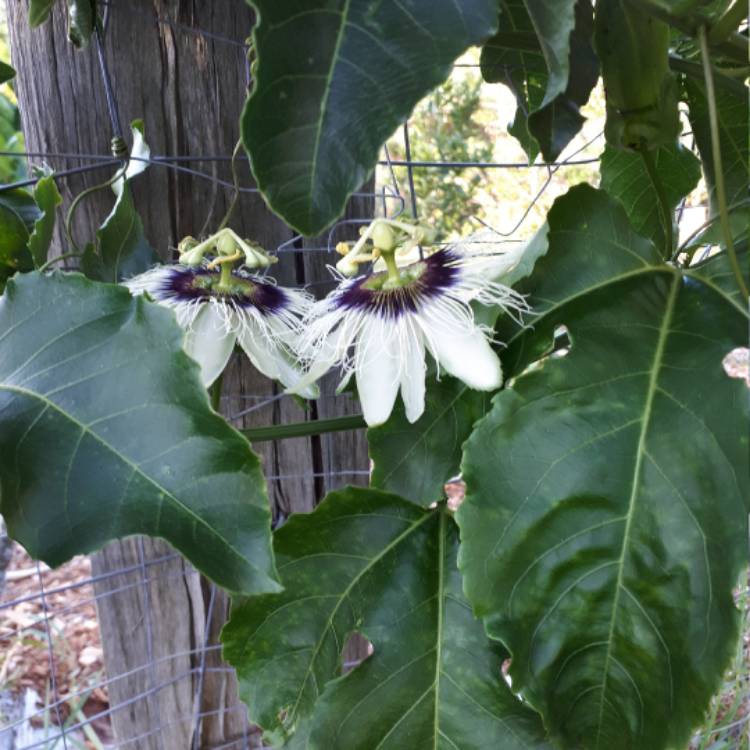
733,116
415,460
551,76
6,72
369,562
106,431
39,11
18,212
334,80
591,245
606,520
717,273
123,250
624,177
81,21
48,199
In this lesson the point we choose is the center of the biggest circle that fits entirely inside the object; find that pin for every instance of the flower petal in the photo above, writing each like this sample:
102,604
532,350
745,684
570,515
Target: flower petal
467,355
273,361
413,377
377,371
208,343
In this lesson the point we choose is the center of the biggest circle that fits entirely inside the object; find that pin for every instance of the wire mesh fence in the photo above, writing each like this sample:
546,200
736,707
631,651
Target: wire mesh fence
56,681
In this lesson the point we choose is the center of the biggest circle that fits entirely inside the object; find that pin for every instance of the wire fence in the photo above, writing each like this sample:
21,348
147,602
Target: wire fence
49,630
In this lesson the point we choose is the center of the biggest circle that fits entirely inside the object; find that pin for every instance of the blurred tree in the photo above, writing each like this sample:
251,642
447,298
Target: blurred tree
444,127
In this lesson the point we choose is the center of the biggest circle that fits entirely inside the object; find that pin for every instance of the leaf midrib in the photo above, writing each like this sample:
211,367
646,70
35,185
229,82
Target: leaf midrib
128,462
345,594
640,452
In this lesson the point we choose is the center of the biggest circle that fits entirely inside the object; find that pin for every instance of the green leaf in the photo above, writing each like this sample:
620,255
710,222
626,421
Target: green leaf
39,11
48,199
733,116
591,244
81,21
6,72
106,431
624,176
415,460
334,79
605,523
551,76
370,562
122,249
18,212
717,273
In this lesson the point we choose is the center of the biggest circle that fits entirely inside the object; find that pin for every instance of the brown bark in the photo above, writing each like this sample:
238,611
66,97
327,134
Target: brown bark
188,88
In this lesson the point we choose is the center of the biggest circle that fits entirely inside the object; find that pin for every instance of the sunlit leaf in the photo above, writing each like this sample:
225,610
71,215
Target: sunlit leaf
334,79
369,562
39,11
6,72
106,431
47,199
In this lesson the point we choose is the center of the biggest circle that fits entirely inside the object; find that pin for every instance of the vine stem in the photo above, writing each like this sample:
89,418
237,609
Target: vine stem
305,429
83,194
58,258
664,210
721,197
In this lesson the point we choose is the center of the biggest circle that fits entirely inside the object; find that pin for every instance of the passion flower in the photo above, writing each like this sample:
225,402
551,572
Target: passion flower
378,327
218,308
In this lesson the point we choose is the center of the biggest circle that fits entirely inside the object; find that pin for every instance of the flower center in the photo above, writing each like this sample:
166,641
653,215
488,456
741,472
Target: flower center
395,277
224,284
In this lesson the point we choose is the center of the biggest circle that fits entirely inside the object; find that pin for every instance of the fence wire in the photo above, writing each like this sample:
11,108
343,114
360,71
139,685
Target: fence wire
38,604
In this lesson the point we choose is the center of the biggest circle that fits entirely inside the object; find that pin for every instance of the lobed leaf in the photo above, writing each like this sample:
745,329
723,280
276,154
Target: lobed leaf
624,177
106,431
605,523
370,562
334,79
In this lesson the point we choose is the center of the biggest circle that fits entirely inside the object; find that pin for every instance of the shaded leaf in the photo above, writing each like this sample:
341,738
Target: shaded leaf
6,72
624,176
717,273
122,249
106,431
733,116
334,79
373,563
416,459
81,21
548,116
606,519
18,212
47,199
39,11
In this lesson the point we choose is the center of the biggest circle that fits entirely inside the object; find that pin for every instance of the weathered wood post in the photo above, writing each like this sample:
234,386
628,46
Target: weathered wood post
179,66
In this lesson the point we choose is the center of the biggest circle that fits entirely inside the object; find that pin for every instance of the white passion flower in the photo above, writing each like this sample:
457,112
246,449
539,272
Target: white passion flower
379,325
220,307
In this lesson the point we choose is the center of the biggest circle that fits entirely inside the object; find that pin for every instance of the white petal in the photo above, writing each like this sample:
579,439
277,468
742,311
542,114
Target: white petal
149,281
208,343
377,375
412,378
331,351
273,361
467,355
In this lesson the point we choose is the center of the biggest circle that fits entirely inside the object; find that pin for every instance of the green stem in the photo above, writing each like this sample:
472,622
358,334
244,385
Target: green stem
215,393
225,279
721,197
664,210
390,262
304,429
83,194
236,183
58,258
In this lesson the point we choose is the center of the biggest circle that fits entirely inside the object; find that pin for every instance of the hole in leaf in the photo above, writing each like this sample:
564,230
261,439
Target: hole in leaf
356,650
